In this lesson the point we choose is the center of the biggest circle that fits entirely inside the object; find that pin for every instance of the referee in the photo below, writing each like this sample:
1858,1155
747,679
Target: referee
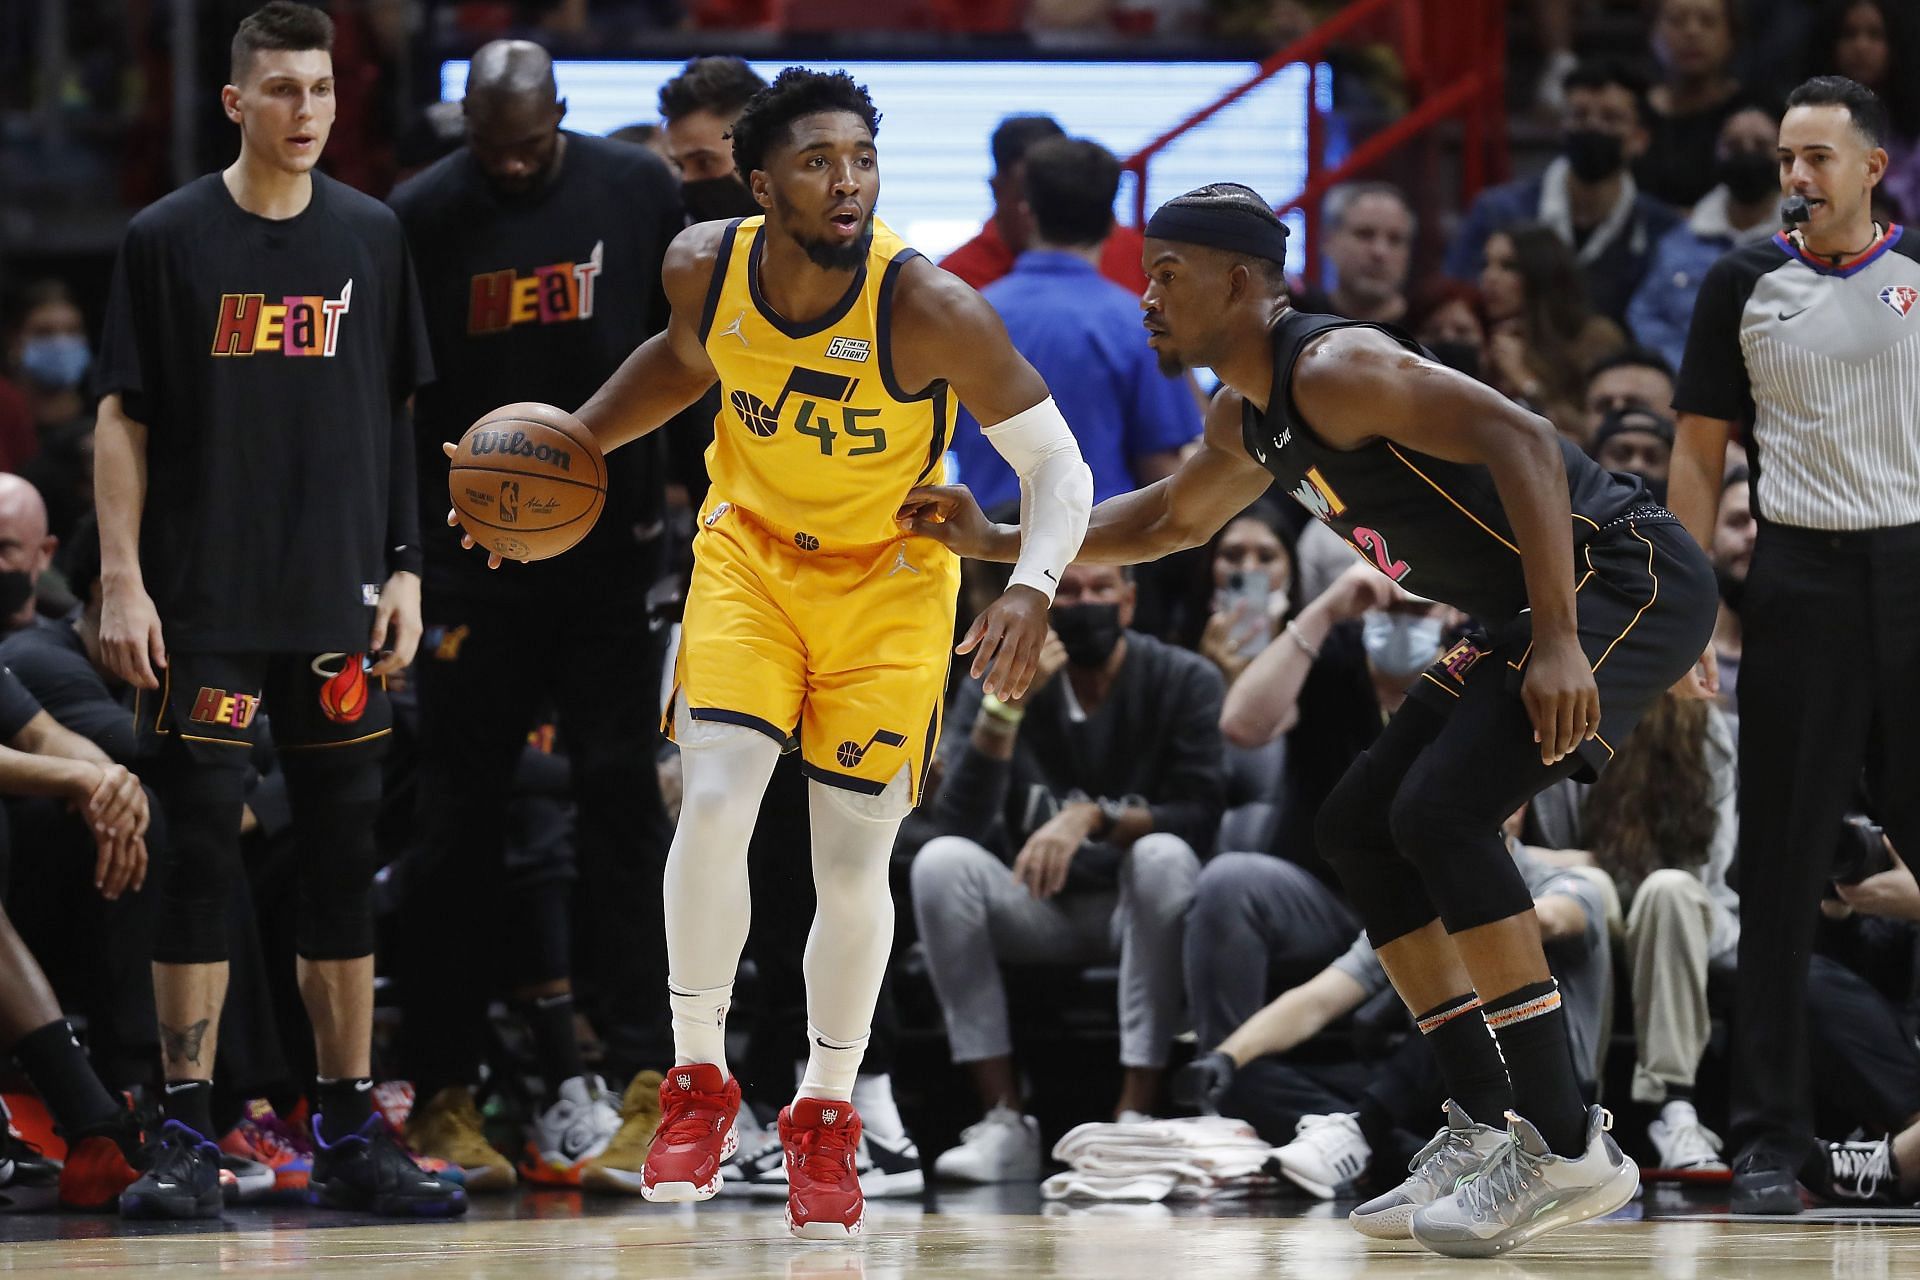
1807,343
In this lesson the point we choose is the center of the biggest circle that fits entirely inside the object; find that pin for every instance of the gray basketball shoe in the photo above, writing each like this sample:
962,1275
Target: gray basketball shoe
1458,1149
1525,1190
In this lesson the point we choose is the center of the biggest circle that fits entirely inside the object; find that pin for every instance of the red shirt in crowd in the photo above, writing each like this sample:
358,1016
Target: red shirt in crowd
19,442
986,257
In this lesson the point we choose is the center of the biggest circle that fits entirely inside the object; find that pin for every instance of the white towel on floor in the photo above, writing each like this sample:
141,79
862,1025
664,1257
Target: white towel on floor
1155,1160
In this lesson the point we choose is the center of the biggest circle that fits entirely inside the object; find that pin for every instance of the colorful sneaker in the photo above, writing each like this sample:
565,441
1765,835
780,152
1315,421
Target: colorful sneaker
29,1182
618,1168
182,1179
822,1140
371,1172
1524,1190
890,1166
101,1163
263,1137
1458,1149
695,1137
578,1126
448,1128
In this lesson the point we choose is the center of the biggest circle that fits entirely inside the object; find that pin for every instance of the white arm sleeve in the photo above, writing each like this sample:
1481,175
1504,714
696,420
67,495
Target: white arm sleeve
1056,492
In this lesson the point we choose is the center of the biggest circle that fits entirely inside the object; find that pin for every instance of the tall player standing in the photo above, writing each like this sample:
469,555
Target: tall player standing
841,353
259,537
1595,602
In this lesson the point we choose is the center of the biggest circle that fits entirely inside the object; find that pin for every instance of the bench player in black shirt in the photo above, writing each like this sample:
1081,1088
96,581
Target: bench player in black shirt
259,541
1594,602
539,254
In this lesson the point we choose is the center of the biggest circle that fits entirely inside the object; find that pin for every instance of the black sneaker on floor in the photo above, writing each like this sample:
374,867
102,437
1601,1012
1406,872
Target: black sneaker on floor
371,1172
182,1178
1762,1183
1855,1172
29,1181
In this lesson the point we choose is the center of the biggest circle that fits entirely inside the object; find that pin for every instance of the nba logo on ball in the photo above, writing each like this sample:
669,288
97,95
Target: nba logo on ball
1900,297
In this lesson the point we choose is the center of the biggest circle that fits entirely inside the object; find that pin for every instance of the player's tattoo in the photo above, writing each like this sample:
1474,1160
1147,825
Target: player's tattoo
182,1044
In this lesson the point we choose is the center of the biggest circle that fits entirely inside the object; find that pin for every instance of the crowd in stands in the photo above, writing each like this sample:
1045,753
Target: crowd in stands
1143,818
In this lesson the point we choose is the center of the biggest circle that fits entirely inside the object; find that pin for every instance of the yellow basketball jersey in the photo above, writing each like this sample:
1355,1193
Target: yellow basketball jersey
815,436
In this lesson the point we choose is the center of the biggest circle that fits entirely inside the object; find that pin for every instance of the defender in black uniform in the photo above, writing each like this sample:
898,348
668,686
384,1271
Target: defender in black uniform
1593,603
260,552
539,254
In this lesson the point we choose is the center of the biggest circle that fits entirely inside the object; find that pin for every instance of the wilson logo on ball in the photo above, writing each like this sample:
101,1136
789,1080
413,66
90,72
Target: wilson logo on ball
343,695
516,444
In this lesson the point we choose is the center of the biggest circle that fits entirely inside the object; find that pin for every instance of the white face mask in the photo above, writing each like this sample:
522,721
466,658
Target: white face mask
1400,644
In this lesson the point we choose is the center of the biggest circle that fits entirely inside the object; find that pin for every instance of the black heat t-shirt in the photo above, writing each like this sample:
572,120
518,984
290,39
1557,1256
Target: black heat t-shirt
270,361
540,297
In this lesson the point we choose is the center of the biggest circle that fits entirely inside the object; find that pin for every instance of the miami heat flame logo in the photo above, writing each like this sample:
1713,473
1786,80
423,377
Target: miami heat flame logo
1900,297
343,696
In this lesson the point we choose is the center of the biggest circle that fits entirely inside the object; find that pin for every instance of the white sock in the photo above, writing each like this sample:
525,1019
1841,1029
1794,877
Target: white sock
700,1025
832,1066
873,1099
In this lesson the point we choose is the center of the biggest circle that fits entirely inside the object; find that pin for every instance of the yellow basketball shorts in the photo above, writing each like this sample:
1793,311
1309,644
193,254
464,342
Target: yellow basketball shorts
846,649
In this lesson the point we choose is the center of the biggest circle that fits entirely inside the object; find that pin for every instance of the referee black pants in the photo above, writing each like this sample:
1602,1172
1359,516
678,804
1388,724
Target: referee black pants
1829,687
487,667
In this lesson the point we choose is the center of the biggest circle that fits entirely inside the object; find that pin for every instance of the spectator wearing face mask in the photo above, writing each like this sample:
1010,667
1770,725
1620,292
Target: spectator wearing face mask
1587,197
26,553
1742,208
1077,816
1630,378
47,358
1449,319
1638,442
1369,230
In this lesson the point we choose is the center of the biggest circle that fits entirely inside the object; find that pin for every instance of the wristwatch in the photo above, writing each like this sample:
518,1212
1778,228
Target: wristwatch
1110,811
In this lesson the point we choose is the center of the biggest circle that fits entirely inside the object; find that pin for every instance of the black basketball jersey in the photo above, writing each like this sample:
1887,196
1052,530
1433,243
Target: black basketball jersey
1436,527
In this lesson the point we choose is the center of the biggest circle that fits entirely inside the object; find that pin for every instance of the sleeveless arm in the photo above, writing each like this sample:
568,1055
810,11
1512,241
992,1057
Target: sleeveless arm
670,370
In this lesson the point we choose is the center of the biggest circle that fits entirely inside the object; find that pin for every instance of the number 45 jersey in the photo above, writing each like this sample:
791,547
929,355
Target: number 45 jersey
811,615
815,437
1438,528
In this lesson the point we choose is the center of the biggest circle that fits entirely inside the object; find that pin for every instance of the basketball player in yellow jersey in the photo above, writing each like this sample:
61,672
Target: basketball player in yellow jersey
840,353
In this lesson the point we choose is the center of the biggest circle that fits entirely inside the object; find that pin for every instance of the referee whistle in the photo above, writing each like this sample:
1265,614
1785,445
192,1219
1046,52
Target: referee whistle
1794,210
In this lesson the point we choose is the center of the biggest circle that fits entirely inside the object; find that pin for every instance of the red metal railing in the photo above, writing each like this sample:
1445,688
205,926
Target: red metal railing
1453,54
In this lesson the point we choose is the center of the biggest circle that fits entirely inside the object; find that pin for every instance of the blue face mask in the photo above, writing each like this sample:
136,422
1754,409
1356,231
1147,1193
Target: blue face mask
1400,644
56,361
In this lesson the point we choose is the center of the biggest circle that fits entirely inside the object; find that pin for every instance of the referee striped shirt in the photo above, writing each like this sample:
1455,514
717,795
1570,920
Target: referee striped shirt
1820,363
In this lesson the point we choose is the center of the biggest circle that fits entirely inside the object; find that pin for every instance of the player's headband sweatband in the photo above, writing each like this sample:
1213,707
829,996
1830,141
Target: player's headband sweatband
1236,230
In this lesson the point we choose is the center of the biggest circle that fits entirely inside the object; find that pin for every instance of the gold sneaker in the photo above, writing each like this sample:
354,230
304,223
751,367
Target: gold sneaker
448,1127
618,1168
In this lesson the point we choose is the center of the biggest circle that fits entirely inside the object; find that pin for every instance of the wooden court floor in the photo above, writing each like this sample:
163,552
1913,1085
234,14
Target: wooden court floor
985,1235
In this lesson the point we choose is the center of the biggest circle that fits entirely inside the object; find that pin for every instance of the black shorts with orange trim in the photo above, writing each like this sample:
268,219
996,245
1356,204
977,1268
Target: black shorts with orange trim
1646,601
213,705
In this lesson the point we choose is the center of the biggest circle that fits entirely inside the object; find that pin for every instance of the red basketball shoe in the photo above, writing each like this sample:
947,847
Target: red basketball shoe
697,1111
822,1138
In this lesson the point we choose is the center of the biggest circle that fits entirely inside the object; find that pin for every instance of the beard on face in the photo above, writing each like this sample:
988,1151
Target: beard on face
1170,364
822,253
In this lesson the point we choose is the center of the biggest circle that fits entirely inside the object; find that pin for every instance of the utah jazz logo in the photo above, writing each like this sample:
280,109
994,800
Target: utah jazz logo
294,326
815,387
510,501
851,753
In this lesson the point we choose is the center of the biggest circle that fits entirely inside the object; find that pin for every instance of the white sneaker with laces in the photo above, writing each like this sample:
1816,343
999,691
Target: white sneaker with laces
1326,1153
574,1128
1524,1190
1460,1147
1003,1147
1683,1143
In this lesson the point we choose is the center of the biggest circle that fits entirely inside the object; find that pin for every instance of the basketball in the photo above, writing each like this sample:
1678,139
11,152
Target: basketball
528,481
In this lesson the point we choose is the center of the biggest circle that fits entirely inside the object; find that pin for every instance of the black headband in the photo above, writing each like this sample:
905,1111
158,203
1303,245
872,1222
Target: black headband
1236,229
